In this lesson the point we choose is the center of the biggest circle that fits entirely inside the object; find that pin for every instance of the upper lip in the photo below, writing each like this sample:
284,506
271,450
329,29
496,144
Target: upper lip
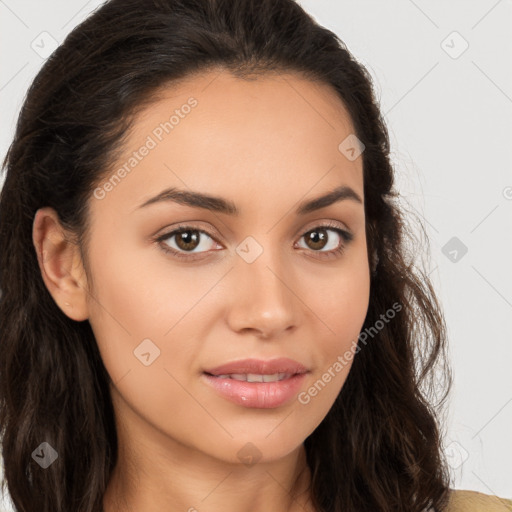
259,366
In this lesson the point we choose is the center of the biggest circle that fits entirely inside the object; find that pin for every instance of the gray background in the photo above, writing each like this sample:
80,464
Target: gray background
448,110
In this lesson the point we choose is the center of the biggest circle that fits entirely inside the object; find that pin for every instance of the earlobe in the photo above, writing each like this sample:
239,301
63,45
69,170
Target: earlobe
60,264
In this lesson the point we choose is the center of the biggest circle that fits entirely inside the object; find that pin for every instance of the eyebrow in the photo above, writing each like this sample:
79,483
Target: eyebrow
221,205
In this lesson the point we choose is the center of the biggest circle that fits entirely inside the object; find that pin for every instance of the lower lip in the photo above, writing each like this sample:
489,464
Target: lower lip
261,395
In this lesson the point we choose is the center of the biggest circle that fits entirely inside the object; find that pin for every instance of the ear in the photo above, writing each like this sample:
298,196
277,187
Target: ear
61,264
375,261
373,255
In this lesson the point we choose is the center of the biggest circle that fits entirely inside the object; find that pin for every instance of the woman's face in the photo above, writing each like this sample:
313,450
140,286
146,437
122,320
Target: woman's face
275,280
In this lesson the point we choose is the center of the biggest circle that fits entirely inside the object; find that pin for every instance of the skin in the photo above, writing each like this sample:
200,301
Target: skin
266,145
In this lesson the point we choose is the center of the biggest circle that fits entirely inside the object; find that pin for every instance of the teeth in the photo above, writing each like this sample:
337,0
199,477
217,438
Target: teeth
255,377
275,377
237,376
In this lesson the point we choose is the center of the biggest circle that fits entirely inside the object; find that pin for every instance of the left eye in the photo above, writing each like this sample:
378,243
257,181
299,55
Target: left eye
188,239
318,237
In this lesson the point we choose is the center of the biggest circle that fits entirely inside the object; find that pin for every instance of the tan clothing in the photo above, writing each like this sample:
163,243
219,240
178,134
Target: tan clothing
472,501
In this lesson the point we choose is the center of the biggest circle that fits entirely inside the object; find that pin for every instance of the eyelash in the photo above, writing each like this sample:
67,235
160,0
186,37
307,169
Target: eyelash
345,235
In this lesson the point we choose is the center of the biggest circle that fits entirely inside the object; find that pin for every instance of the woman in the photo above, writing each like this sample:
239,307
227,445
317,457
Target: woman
207,301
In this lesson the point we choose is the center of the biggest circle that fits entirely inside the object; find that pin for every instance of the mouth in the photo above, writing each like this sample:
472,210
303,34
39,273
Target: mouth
254,377
247,369
257,391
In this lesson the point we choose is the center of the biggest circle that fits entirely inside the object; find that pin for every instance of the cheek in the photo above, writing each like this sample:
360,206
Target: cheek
143,305
144,327
341,302
338,295
341,305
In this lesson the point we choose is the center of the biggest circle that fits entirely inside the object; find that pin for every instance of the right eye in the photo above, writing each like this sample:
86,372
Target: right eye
187,239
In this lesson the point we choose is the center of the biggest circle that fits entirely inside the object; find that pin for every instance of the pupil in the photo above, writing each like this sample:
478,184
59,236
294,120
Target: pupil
318,237
185,239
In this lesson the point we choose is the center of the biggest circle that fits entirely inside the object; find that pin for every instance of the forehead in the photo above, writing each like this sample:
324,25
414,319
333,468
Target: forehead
213,132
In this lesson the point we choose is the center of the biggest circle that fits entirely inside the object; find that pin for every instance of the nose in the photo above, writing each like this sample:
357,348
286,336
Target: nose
262,296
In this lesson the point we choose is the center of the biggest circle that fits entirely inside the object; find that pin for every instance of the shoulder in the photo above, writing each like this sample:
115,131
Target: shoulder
472,501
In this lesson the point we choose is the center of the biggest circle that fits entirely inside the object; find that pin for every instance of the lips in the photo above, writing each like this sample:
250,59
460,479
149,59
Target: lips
254,367
255,377
256,383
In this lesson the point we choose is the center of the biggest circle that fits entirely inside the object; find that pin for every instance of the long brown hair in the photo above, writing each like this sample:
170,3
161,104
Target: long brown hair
379,447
